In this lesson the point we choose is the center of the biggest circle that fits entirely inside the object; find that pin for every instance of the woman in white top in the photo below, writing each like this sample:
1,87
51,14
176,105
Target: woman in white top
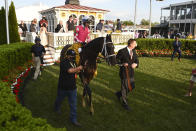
43,36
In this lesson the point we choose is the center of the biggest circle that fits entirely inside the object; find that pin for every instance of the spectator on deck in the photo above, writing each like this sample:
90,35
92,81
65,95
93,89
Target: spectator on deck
70,24
59,28
99,26
23,26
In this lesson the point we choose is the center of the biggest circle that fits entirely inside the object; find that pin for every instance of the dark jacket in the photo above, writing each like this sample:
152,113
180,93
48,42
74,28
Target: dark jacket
99,26
57,29
177,45
124,57
70,25
37,50
23,27
33,28
67,80
119,26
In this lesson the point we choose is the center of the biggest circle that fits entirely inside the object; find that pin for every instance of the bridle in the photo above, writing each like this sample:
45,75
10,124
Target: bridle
104,48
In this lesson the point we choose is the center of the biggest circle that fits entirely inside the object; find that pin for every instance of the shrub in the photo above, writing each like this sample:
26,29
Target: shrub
13,25
15,117
13,55
161,44
2,26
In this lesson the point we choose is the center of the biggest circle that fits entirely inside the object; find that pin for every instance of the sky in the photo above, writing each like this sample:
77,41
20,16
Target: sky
123,9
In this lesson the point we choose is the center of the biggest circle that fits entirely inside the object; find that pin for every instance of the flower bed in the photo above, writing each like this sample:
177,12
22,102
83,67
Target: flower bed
163,53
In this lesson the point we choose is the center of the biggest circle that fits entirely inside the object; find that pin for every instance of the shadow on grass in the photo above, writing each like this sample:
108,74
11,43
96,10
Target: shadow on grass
156,103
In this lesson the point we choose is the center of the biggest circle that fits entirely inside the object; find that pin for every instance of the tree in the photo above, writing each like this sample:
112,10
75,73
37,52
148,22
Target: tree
13,25
155,23
144,22
127,23
3,35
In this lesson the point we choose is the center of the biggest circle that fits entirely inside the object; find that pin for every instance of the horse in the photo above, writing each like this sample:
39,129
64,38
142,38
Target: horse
88,58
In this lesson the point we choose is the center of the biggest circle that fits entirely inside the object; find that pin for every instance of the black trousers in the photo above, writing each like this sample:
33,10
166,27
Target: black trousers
125,89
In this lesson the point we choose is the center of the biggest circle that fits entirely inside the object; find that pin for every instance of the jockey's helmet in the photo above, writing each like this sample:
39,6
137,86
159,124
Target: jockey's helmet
86,19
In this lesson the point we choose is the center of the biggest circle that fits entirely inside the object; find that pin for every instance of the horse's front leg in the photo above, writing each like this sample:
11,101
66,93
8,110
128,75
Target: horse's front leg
89,92
83,97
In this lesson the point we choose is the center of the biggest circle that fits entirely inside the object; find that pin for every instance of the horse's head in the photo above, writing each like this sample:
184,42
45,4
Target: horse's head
108,50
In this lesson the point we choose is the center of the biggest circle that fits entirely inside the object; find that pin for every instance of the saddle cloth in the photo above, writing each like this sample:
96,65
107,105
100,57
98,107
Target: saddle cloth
75,47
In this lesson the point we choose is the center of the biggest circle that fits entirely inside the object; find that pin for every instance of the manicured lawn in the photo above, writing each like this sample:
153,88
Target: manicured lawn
157,103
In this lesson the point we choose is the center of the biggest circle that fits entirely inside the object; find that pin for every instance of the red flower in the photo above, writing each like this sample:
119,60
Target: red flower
16,91
17,86
17,99
25,74
19,80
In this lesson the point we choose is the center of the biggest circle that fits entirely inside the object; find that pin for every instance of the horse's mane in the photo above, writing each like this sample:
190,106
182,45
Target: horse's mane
94,45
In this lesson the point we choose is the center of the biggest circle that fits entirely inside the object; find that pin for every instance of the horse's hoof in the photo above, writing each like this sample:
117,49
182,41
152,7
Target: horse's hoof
83,103
91,113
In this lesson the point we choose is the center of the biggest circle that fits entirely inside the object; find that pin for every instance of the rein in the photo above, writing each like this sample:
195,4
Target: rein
105,49
128,78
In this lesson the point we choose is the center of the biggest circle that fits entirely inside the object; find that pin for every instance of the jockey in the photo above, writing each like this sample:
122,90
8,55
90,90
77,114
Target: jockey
81,34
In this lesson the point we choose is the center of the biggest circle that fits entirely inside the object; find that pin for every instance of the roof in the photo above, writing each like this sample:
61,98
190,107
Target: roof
78,7
180,4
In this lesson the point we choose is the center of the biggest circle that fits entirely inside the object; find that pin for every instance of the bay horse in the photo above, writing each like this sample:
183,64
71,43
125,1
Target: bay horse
88,58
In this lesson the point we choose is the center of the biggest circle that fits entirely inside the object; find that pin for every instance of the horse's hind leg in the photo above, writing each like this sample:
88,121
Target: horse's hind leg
83,97
89,92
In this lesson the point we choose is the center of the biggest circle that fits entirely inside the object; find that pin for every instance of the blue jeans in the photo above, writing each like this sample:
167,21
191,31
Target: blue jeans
72,99
179,52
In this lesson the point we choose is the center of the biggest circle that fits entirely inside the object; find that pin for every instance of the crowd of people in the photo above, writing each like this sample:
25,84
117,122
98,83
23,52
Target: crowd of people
173,34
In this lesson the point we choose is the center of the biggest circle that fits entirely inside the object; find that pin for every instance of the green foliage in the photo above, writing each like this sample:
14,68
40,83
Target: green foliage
14,117
3,35
127,22
144,22
160,44
13,55
13,25
155,23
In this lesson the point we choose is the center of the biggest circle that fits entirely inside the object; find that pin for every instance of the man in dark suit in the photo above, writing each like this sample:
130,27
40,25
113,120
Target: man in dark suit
128,58
177,44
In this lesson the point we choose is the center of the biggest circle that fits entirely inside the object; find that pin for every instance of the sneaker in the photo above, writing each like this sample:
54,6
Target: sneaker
76,124
126,107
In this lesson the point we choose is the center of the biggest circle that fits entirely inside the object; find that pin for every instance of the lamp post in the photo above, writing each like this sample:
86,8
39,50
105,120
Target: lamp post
7,26
150,22
135,16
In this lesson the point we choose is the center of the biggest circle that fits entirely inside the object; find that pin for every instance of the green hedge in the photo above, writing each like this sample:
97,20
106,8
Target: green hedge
160,44
14,117
13,55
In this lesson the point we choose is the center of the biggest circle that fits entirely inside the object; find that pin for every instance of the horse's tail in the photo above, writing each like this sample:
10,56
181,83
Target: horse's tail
63,52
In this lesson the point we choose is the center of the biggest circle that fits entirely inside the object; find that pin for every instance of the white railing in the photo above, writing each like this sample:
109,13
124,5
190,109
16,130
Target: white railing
61,39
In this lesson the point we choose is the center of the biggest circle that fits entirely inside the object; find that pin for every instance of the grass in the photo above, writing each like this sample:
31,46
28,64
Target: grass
157,102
